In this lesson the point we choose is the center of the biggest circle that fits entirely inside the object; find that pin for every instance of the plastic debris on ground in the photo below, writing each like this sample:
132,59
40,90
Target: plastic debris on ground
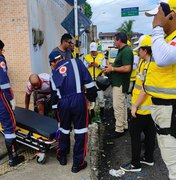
116,173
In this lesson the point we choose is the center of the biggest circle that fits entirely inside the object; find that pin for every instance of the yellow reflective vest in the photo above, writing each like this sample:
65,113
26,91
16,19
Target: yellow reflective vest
145,107
99,60
133,73
160,82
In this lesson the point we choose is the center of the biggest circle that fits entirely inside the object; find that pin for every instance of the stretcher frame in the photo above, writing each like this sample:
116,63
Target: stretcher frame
39,143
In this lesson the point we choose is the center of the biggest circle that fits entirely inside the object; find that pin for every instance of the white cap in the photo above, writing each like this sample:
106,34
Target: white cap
93,46
153,12
144,41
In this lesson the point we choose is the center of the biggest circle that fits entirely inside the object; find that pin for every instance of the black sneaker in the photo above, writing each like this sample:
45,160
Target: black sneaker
144,161
77,168
16,160
62,160
115,135
130,168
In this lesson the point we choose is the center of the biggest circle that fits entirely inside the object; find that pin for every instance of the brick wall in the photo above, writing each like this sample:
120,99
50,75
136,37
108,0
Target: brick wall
14,33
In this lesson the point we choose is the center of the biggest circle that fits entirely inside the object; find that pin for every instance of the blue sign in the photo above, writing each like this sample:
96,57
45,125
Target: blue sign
71,2
69,22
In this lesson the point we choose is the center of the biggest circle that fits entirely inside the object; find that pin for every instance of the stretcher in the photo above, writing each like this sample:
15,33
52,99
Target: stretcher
35,131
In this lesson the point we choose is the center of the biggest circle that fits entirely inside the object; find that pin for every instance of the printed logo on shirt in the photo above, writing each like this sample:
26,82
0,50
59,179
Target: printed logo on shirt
63,70
173,43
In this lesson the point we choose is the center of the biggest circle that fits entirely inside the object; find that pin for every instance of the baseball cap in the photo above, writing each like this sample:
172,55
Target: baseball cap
54,55
171,3
144,41
93,46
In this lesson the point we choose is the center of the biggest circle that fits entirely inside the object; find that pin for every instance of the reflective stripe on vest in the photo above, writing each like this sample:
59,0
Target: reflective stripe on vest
160,82
145,107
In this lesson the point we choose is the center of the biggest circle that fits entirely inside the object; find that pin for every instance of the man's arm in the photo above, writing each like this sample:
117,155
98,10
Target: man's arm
121,69
27,101
164,54
4,81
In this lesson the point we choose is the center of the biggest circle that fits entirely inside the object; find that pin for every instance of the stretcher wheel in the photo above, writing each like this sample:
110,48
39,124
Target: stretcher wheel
41,158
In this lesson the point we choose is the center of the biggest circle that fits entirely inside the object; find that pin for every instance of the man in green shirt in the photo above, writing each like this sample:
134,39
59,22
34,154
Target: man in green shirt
119,75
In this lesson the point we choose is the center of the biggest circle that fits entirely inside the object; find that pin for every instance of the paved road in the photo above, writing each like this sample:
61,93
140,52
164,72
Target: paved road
116,152
49,171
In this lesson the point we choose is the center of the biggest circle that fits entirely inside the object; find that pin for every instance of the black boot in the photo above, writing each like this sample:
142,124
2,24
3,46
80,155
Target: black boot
102,114
14,159
62,158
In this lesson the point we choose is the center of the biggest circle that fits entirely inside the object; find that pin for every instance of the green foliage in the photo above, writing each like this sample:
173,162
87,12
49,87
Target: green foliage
87,9
127,28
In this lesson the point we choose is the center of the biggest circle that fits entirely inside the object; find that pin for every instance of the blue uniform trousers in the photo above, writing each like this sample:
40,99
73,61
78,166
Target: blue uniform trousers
7,118
73,109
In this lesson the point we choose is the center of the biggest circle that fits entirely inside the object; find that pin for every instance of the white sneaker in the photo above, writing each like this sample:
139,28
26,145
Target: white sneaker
143,161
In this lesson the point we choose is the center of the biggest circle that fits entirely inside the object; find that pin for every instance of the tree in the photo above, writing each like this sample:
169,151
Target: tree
87,9
127,28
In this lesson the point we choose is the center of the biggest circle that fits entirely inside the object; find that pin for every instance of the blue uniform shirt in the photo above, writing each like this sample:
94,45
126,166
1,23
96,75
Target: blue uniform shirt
70,77
4,79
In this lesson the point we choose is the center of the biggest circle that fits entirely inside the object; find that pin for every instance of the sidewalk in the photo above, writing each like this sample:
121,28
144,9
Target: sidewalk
51,170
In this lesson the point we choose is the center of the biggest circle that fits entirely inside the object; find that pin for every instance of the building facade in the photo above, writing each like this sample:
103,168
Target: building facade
30,29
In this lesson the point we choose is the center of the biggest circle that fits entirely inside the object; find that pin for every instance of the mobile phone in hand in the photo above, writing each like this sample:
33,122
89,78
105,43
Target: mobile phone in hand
165,8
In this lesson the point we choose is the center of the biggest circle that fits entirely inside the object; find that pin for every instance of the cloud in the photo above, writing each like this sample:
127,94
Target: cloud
107,14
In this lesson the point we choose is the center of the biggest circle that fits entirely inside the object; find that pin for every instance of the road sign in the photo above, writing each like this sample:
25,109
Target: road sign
71,2
69,23
132,11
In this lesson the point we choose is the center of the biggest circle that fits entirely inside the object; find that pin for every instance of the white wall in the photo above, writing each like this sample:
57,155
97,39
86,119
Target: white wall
47,16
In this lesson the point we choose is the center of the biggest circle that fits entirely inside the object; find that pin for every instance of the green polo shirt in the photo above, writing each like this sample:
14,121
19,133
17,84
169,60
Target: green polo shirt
124,57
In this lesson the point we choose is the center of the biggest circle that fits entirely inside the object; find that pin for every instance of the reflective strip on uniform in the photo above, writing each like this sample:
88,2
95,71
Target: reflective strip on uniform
5,86
77,77
54,88
54,106
10,136
89,85
144,107
160,90
58,94
64,131
138,87
81,131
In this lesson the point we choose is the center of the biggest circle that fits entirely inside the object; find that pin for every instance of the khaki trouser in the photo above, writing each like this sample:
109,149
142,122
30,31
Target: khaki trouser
120,109
167,143
100,97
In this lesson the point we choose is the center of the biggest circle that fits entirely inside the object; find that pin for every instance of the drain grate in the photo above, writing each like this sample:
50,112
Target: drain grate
29,154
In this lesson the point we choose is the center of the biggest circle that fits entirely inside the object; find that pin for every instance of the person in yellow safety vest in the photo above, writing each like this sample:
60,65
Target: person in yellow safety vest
160,80
133,73
142,120
95,63
132,82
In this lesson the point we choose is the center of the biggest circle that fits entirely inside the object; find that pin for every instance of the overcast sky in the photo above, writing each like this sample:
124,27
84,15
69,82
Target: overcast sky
107,14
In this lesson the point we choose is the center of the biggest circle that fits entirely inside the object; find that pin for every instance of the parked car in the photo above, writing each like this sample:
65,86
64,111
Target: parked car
112,54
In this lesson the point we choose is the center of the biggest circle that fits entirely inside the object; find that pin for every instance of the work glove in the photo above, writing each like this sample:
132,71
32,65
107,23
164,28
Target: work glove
13,104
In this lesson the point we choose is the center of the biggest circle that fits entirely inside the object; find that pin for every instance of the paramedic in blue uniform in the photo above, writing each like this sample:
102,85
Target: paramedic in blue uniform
7,105
70,78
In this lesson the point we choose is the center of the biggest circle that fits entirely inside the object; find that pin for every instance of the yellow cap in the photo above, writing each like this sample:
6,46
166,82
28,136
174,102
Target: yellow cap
144,41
